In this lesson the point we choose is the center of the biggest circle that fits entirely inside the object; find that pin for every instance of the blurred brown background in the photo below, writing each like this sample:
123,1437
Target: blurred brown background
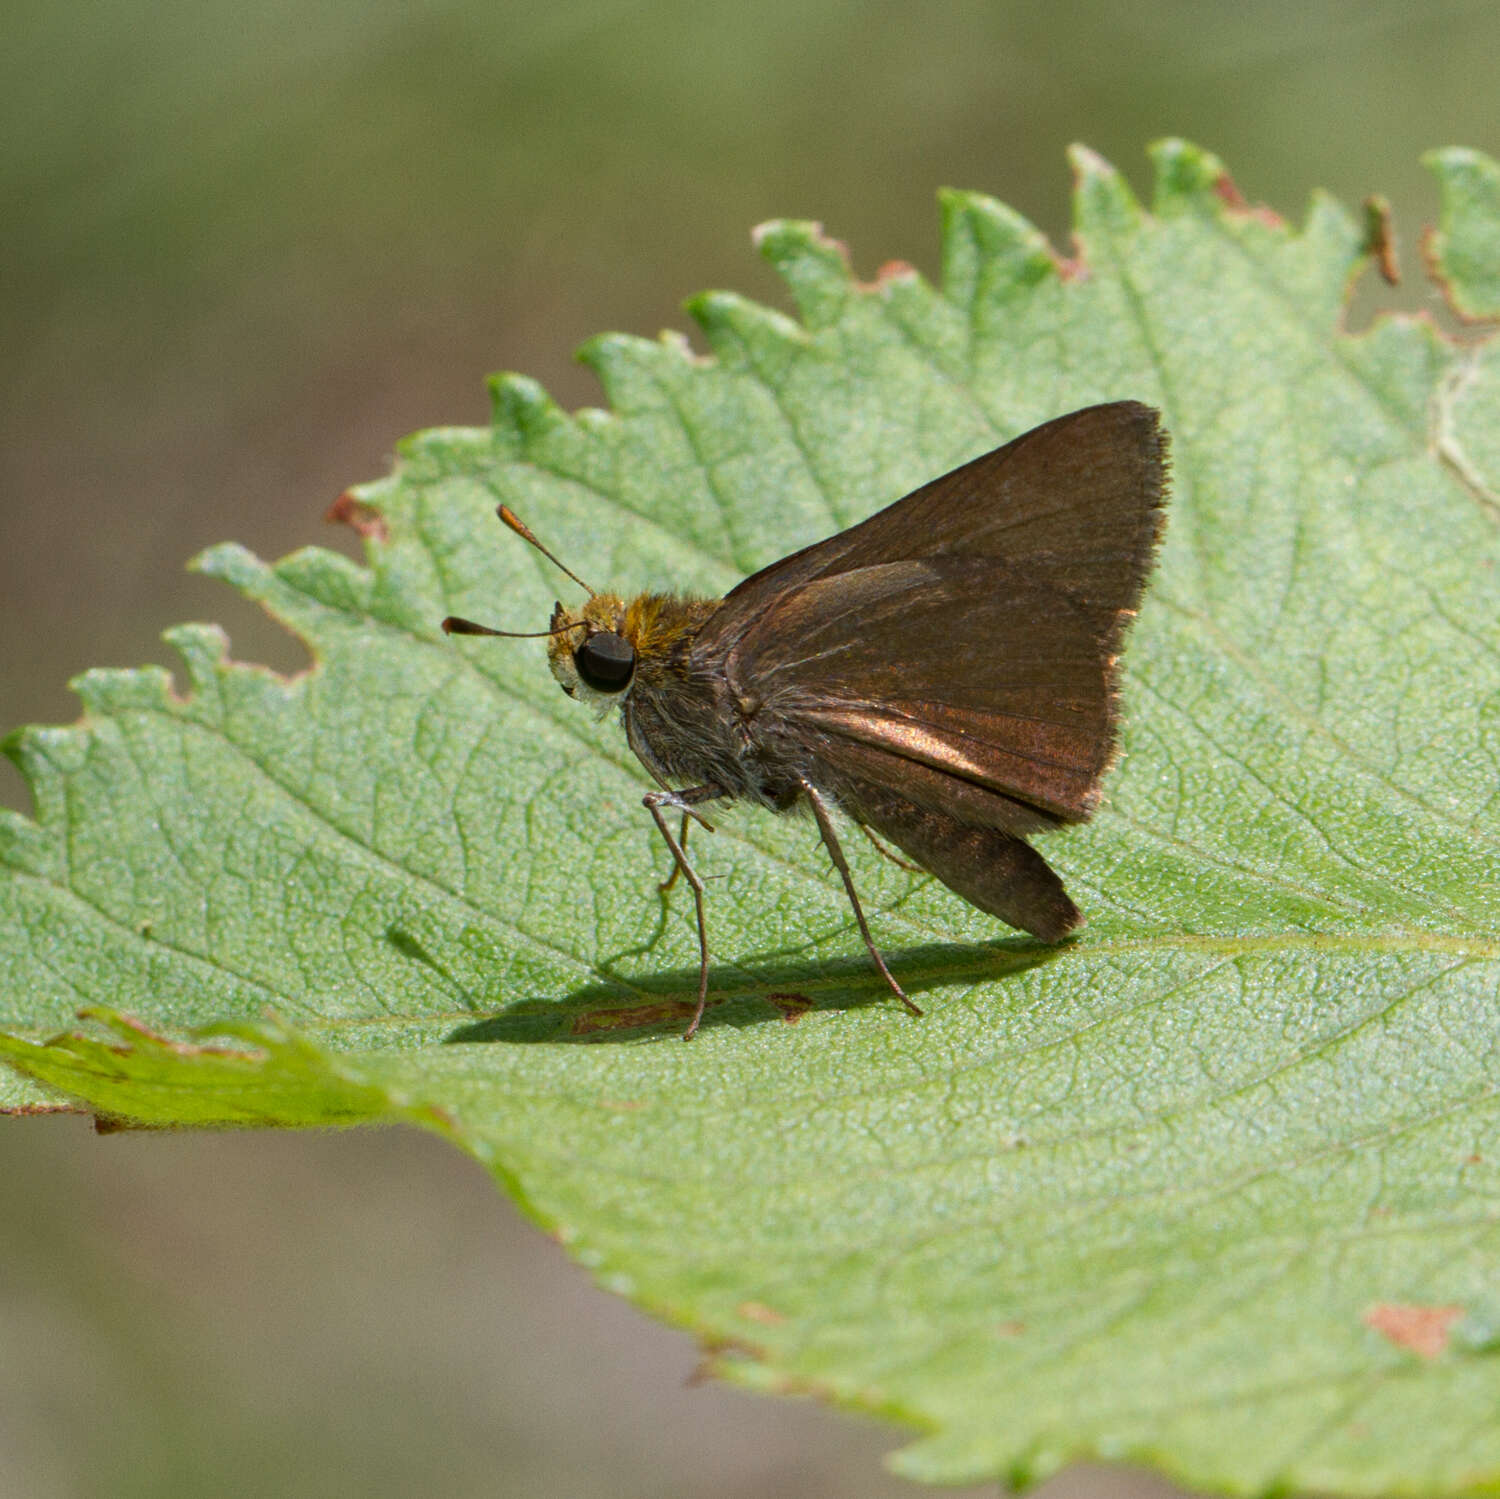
244,249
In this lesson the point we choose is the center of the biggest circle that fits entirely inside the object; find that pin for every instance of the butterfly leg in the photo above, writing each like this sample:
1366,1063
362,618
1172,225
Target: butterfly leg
880,848
683,801
666,885
836,853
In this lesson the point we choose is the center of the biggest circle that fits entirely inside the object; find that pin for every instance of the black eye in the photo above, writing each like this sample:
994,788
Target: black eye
606,661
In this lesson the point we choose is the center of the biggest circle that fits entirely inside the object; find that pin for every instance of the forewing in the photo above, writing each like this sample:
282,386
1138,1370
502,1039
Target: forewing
962,683
1075,503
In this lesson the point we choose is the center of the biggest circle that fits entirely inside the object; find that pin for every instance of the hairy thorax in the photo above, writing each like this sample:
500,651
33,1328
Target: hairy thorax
681,715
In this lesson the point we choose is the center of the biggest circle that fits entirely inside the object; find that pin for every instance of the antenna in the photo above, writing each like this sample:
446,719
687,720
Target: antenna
522,530
455,625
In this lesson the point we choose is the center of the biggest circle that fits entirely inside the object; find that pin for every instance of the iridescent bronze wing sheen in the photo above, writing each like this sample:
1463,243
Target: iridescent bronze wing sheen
946,670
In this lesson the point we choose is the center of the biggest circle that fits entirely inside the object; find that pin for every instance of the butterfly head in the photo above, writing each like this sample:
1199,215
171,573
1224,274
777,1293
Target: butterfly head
591,651
594,649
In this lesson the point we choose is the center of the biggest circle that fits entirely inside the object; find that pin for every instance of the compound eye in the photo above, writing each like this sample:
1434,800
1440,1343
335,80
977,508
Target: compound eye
606,661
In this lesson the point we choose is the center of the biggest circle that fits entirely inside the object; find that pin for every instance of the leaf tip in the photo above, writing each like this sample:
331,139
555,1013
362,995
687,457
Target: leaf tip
1187,175
231,563
1185,170
814,266
740,331
108,689
357,513
520,406
982,236
1462,253
204,650
1102,199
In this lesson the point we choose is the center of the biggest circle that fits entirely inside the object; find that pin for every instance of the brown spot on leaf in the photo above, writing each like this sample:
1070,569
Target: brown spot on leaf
26,1110
131,1023
717,1349
829,1392
1233,199
119,1022
1070,267
349,511
892,270
1421,1329
1380,239
1229,193
758,1311
444,1119
1012,1329
792,1006
113,1124
622,1105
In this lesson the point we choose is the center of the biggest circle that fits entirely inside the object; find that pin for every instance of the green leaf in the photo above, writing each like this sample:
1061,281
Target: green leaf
1214,1187
1465,248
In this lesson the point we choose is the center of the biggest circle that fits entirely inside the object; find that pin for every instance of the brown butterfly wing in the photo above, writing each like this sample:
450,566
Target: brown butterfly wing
946,669
993,870
1076,503
959,664
1012,735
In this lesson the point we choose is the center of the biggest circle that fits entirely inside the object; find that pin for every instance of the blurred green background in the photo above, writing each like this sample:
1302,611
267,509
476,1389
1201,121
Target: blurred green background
244,250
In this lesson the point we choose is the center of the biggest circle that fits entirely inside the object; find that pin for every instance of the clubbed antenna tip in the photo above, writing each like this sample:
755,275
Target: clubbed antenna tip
522,530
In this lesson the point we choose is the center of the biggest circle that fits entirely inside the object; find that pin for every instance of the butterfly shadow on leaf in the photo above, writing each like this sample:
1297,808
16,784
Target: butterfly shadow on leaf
774,988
